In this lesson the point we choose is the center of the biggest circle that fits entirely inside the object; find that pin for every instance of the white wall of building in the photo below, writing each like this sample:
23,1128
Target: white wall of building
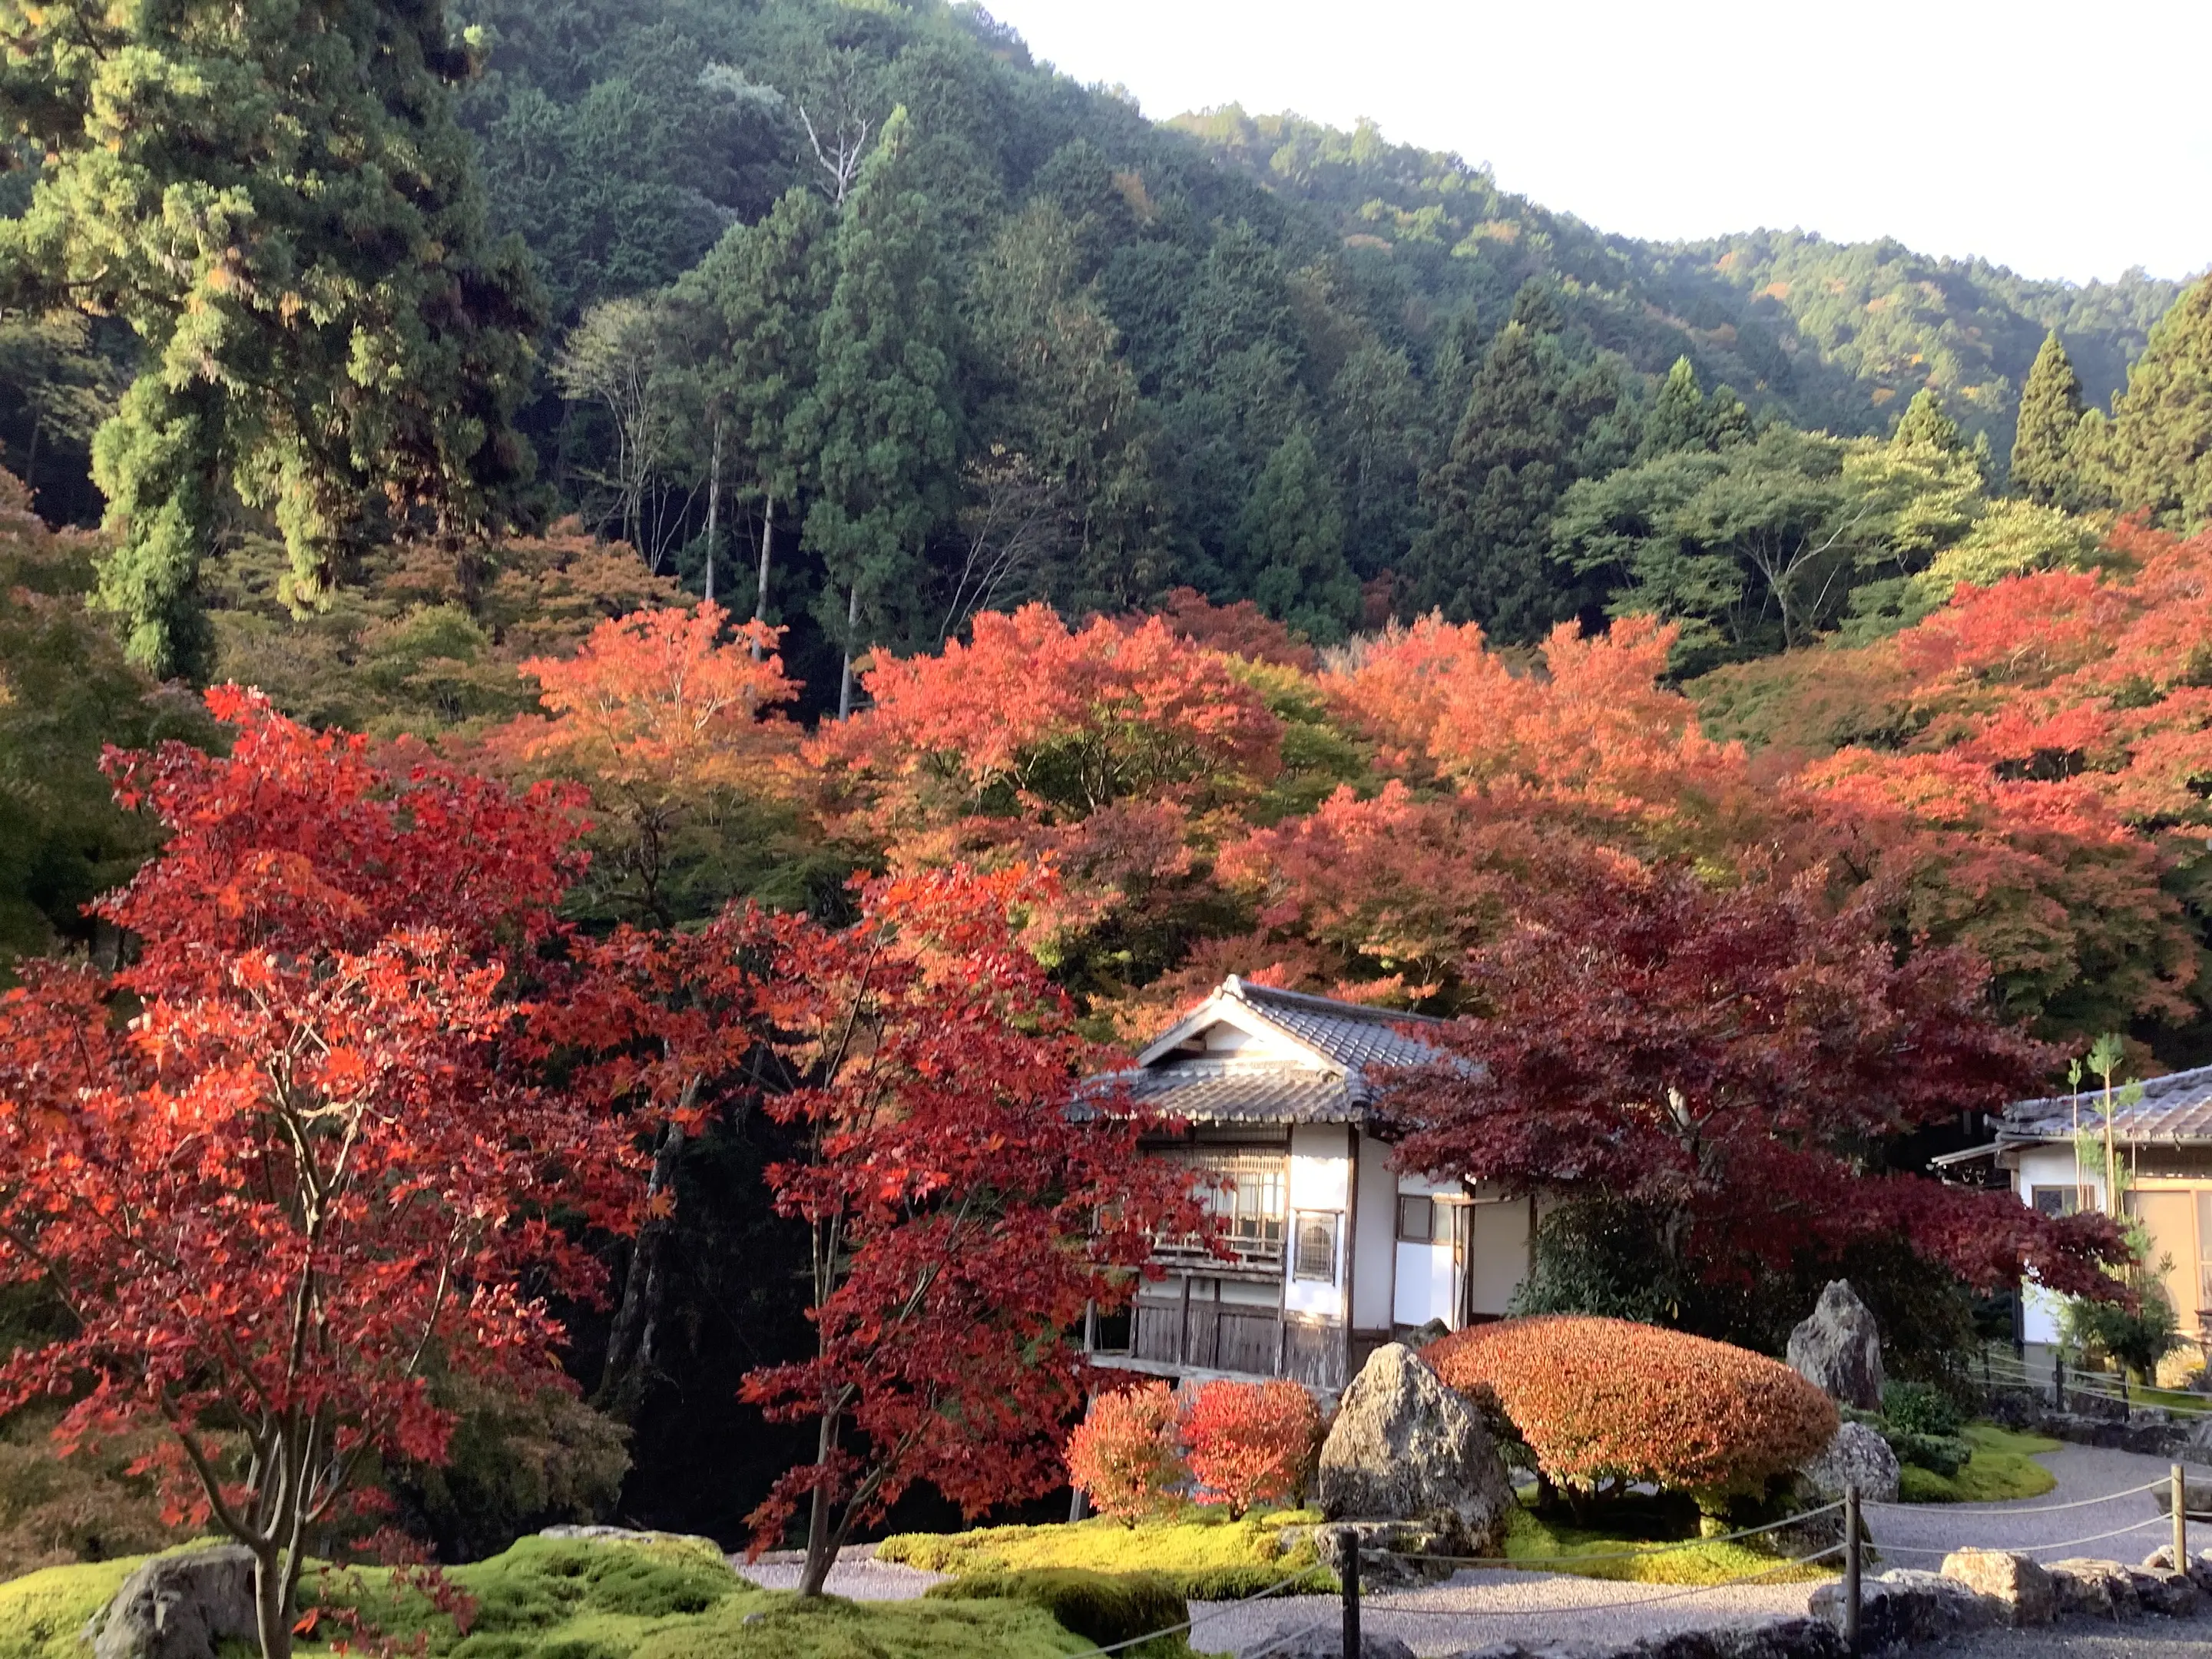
1427,1276
1374,1260
2049,1166
1320,1182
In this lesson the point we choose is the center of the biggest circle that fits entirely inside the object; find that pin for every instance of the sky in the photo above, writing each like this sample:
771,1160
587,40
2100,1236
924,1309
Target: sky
2065,140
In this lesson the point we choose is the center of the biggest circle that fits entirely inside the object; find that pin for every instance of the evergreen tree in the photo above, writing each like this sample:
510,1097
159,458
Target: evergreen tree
753,308
2161,434
1924,425
1376,409
279,202
1290,544
1458,354
1536,307
2049,421
1484,555
1727,423
881,413
1679,419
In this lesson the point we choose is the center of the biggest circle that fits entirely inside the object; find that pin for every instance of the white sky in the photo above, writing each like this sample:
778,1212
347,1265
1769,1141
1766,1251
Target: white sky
2064,138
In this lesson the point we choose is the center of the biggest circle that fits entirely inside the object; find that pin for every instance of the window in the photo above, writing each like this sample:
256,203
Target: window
1316,1256
1417,1218
2062,1200
1247,1191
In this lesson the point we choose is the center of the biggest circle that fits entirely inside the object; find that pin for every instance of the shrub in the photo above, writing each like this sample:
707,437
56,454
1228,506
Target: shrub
1105,1607
1919,1408
1603,1403
1123,1456
1251,1442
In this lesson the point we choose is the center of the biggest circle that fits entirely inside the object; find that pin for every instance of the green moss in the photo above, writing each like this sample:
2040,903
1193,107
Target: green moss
1202,1554
1530,1537
2002,1468
1108,1608
578,1598
41,1613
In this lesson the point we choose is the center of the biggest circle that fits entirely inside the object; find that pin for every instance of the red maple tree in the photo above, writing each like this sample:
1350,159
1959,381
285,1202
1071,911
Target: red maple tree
282,1162
1730,1059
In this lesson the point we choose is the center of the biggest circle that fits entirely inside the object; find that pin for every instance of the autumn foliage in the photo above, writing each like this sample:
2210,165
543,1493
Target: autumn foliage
1247,1444
1125,1456
1606,1403
291,1155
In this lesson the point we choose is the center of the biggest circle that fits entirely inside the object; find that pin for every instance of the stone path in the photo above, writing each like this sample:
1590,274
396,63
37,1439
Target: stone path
1921,1535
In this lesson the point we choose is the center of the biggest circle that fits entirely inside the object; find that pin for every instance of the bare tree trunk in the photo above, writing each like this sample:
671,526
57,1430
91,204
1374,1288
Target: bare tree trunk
821,1541
713,505
852,632
767,554
630,1342
272,1603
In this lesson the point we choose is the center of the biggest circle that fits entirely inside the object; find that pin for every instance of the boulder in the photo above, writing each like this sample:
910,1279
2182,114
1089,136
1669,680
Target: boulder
178,1607
1405,1447
1780,1639
2103,1590
2161,1589
2015,1582
1857,1455
1325,1641
1839,1348
1904,1607
1390,1552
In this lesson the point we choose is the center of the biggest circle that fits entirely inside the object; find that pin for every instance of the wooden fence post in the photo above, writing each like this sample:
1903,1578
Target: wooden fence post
1851,1563
2180,1520
1349,1538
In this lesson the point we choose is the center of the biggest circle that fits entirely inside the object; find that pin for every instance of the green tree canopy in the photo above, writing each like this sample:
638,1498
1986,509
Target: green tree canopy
278,201
2162,436
1290,544
2049,427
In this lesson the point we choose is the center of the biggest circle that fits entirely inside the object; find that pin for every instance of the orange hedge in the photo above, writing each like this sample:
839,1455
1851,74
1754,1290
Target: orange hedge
1606,1401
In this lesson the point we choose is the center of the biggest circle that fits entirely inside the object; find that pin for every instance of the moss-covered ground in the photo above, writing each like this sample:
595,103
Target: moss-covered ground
2003,1468
566,1599
1629,1555
1202,1552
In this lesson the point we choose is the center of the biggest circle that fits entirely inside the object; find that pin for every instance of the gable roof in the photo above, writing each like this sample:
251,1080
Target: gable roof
1298,1059
2176,1109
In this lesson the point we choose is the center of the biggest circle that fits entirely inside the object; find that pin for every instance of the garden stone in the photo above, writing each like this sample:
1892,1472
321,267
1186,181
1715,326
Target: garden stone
2160,1590
2103,1590
1857,1455
2015,1582
178,1607
1839,1348
1390,1552
1785,1638
1326,1642
1405,1447
1904,1607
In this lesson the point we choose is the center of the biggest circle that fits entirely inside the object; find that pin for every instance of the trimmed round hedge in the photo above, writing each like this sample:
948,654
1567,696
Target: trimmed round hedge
1601,1402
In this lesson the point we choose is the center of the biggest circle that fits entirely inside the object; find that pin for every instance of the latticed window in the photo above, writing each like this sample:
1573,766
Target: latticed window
1316,1257
1247,1191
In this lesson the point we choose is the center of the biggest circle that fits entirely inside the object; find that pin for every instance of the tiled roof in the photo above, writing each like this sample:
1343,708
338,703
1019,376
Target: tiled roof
2174,1107
1213,1091
1347,1032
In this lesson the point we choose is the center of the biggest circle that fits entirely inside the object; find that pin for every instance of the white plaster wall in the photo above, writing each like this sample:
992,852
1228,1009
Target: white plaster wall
1497,1253
1374,1263
1424,1284
2048,1166
1320,1169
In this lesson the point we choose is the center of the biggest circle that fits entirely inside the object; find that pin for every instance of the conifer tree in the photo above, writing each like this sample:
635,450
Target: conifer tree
2050,423
278,201
1727,421
2161,434
1536,307
754,308
882,410
1926,425
1677,419
1290,540
1484,555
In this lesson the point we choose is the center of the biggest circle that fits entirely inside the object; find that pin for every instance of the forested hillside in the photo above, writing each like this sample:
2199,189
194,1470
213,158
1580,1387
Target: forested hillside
1251,356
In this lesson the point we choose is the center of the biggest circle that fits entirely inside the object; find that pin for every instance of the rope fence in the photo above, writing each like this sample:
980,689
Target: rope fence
1852,1549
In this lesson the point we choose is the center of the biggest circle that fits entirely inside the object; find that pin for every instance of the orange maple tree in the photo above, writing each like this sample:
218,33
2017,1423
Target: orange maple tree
285,1159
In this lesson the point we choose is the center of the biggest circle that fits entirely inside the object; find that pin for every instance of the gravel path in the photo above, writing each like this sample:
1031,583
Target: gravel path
1476,1607
2154,1639
857,1576
1921,1535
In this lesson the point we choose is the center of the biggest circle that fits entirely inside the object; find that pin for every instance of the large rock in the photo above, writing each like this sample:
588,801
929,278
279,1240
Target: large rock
1859,1456
1838,1349
2102,1589
178,1607
1405,1447
2016,1583
1326,1642
1904,1608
